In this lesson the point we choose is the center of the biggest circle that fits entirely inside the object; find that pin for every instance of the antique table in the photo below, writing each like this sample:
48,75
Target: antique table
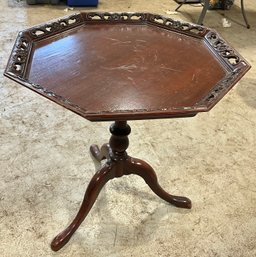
119,67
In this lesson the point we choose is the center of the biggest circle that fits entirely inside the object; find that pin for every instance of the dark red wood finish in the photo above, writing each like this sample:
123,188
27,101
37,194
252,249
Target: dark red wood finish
119,67
118,163
126,66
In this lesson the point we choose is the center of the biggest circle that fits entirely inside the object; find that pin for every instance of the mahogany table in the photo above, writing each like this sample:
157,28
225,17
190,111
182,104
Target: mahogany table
119,67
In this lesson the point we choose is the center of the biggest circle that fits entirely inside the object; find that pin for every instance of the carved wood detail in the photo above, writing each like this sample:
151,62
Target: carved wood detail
16,67
114,17
224,50
18,60
171,24
221,88
148,18
53,27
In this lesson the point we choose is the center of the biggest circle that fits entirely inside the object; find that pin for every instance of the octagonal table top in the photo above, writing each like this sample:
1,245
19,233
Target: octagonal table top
126,66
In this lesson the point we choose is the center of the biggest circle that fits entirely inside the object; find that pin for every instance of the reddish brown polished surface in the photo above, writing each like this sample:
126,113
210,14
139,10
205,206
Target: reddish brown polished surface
118,163
124,66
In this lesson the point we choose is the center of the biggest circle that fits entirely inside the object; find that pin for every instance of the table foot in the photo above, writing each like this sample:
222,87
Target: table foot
98,181
144,170
100,154
244,15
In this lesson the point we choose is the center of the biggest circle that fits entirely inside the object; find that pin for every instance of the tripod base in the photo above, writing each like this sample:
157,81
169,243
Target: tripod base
118,164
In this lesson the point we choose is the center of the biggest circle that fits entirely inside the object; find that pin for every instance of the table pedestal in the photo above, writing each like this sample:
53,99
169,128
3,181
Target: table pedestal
118,163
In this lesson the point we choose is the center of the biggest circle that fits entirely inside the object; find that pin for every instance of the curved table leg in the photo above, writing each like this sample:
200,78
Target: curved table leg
203,13
118,164
244,15
98,181
144,170
184,2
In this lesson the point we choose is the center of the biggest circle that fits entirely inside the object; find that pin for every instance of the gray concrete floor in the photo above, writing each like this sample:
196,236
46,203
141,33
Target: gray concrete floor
45,165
